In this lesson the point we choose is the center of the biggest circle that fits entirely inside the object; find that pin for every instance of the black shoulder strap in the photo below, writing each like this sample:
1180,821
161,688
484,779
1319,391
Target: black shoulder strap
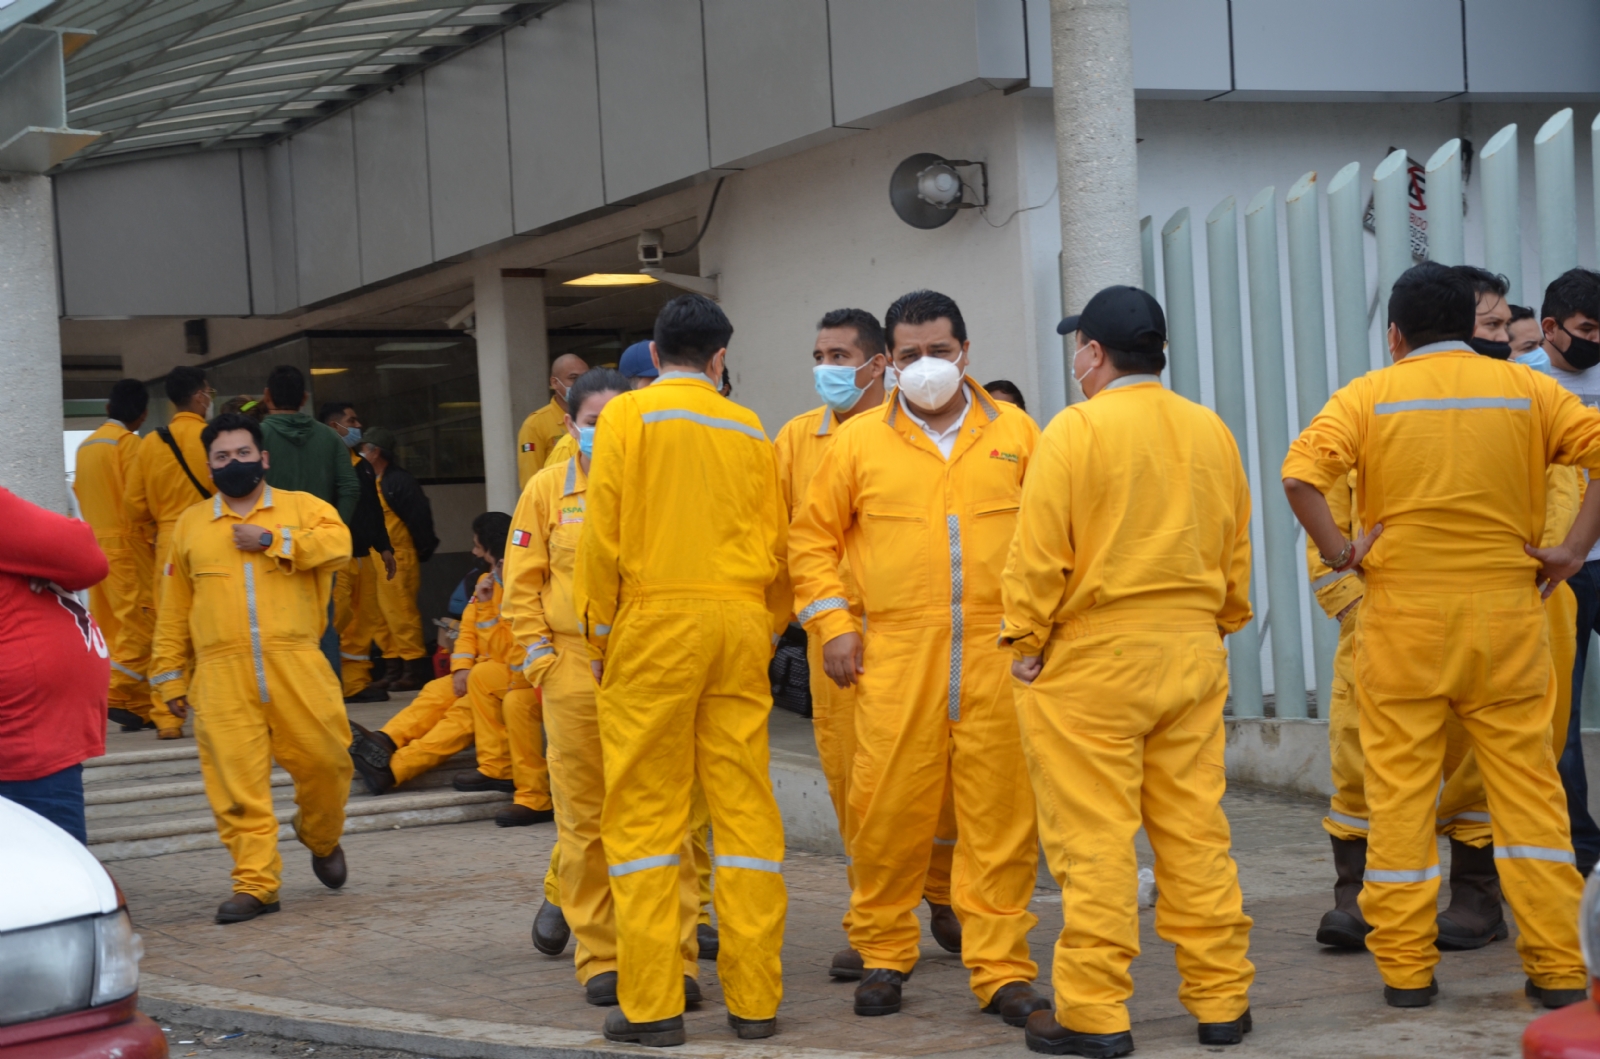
166,435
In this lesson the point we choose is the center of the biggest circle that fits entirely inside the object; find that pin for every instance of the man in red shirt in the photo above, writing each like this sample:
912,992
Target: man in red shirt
54,666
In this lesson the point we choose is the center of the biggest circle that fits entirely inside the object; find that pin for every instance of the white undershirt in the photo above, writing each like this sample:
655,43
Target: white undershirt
946,441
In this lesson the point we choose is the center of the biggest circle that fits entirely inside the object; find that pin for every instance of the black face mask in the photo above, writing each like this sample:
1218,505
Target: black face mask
237,478
1581,353
1497,350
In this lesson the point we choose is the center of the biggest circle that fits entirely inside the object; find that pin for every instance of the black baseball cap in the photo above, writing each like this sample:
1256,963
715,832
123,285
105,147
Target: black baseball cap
1125,318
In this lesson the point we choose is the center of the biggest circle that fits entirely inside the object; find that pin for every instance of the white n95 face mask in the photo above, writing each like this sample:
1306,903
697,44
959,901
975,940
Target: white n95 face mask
930,382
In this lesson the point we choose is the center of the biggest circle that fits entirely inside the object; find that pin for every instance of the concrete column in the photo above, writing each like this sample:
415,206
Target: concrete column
1091,45
30,343
513,369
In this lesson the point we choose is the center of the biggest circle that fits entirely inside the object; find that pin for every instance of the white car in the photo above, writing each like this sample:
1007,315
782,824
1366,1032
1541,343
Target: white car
69,959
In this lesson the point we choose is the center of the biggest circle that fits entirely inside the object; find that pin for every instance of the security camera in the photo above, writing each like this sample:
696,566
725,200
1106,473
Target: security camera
650,248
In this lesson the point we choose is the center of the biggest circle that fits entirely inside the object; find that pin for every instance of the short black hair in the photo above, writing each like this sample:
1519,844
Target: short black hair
924,307
1009,388
1432,303
1576,292
229,421
129,400
1483,281
287,388
869,333
183,382
328,409
593,381
689,331
492,528
1522,312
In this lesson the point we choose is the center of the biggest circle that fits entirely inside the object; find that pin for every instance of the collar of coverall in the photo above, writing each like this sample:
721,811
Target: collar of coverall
1453,345
1128,380
218,509
690,376
576,481
979,397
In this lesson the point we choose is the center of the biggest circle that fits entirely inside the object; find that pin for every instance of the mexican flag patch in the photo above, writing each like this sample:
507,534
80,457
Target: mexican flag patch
521,538
527,446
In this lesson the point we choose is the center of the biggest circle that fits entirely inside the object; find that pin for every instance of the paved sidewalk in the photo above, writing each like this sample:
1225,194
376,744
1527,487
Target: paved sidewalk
435,921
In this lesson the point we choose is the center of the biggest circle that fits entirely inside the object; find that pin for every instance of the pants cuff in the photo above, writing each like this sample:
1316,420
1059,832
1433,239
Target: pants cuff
1093,1018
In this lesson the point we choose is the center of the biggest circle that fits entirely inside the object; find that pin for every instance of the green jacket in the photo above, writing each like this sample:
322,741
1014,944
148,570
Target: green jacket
308,457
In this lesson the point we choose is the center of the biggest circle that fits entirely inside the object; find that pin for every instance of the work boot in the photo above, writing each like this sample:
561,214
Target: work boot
1475,916
550,931
330,870
241,907
662,1033
521,816
1226,1032
370,693
691,992
847,965
1345,927
879,992
601,990
1014,1002
945,927
477,781
710,944
752,1029
1554,998
407,675
385,671
1044,1034
1411,998
370,751
130,721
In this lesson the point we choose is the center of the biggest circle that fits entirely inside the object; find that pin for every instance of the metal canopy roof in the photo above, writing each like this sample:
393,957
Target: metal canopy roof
173,76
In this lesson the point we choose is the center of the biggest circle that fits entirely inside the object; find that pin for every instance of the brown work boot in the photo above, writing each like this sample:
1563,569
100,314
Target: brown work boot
407,675
1345,927
1475,916
330,870
550,934
1048,1037
945,927
385,671
847,965
879,992
241,907
1014,1002
521,816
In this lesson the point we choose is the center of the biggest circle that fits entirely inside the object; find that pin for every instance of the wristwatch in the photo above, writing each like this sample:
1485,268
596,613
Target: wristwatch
266,540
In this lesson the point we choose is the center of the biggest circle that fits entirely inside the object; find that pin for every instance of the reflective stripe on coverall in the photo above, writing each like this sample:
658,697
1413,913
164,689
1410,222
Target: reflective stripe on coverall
538,434
540,558
121,604
680,590
1452,449
249,623
400,635
800,445
926,539
158,492
1132,553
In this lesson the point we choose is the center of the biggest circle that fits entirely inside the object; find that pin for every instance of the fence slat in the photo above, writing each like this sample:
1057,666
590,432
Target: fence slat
1502,209
1227,358
1147,256
1555,184
1349,262
1446,243
1391,216
1183,321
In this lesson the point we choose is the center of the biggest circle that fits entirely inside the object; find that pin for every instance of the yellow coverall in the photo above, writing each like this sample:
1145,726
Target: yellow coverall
249,624
679,589
539,433
541,555
438,724
399,634
1452,449
565,448
121,604
357,616
1131,561
926,539
800,445
1463,812
508,709
158,492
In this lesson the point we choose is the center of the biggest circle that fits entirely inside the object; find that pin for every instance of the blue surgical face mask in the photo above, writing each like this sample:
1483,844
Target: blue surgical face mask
352,437
836,385
1536,358
586,441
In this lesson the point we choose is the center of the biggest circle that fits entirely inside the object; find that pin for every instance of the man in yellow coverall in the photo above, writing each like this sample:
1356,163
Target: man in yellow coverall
1130,563
1474,917
850,343
921,498
167,476
244,599
121,603
543,429
1452,449
539,569
679,589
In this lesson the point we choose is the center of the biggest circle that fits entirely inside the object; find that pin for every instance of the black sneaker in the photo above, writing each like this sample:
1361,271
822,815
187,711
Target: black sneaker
1226,1032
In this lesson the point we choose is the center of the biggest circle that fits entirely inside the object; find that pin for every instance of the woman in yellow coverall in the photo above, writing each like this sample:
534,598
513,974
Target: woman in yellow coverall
679,589
1130,562
1452,449
539,568
922,498
244,602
